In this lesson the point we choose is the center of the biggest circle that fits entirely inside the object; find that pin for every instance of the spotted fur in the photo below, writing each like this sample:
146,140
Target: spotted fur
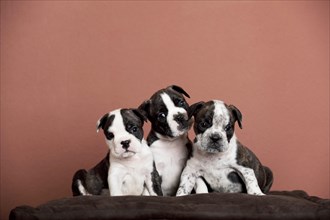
219,158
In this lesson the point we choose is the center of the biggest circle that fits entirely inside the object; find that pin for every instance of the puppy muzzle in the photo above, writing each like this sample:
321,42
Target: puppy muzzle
214,143
183,122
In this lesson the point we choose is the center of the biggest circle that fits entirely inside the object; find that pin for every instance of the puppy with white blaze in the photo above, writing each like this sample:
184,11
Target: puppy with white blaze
167,110
218,158
132,170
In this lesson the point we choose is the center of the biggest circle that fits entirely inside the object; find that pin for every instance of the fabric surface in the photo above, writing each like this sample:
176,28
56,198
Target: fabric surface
276,205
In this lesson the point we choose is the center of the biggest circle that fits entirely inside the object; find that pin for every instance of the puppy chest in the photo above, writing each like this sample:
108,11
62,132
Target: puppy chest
170,163
223,180
132,185
170,178
129,180
169,150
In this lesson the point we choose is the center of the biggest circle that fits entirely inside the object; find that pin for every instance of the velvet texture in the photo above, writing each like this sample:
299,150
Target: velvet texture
276,205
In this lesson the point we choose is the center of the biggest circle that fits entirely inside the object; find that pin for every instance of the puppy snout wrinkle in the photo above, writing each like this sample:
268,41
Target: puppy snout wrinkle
125,144
215,137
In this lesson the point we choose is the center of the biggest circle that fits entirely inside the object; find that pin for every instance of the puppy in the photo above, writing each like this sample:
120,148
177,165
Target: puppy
218,157
167,110
132,170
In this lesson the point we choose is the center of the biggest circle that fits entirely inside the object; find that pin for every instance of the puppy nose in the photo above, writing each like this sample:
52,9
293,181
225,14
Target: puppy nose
125,144
179,118
215,137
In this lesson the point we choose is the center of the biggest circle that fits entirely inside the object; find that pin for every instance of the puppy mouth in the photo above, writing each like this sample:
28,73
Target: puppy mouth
215,147
181,131
128,153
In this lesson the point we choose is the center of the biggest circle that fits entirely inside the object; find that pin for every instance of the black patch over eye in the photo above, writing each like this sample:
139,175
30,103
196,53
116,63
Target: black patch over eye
109,135
134,129
203,125
131,128
180,103
228,127
229,131
161,116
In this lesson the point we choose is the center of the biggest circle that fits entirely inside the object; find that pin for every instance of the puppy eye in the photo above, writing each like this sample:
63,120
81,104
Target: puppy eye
134,129
109,135
228,127
161,116
204,124
180,103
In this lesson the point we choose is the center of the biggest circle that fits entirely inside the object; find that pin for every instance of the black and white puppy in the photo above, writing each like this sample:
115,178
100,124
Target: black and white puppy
167,110
218,157
132,170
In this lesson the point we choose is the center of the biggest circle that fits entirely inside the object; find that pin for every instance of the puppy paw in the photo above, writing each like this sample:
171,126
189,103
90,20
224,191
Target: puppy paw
153,194
181,193
258,194
177,195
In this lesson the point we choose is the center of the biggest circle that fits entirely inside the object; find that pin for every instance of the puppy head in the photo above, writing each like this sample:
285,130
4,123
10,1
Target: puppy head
167,110
123,131
214,125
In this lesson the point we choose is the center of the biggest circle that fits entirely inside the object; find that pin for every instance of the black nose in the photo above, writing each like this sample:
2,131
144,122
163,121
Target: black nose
215,137
179,118
125,144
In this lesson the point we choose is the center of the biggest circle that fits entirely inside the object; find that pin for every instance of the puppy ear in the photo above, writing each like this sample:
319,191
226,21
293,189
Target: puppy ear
141,114
237,114
194,108
101,122
179,90
144,108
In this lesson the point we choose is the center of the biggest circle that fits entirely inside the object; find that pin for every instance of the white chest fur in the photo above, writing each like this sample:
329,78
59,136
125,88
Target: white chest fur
130,176
170,158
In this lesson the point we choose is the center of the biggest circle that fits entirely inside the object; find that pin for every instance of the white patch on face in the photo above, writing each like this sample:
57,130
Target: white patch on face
120,134
172,111
219,121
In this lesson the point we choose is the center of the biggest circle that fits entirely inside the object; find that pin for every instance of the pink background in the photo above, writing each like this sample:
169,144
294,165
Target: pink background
65,64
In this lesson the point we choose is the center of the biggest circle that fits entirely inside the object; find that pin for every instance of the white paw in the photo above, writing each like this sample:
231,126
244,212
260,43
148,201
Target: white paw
180,193
258,194
153,194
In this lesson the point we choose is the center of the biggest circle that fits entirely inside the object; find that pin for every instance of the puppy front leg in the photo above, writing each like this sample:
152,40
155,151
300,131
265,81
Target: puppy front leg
149,186
145,191
187,182
200,186
250,180
114,185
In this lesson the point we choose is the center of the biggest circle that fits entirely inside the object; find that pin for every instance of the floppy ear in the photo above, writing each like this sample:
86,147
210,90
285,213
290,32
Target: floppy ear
144,108
101,122
179,90
141,114
194,108
237,114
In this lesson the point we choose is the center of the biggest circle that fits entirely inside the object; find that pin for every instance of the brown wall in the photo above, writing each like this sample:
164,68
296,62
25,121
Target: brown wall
65,64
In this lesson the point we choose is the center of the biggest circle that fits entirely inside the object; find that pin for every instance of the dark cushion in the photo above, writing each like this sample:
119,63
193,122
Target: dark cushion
276,205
